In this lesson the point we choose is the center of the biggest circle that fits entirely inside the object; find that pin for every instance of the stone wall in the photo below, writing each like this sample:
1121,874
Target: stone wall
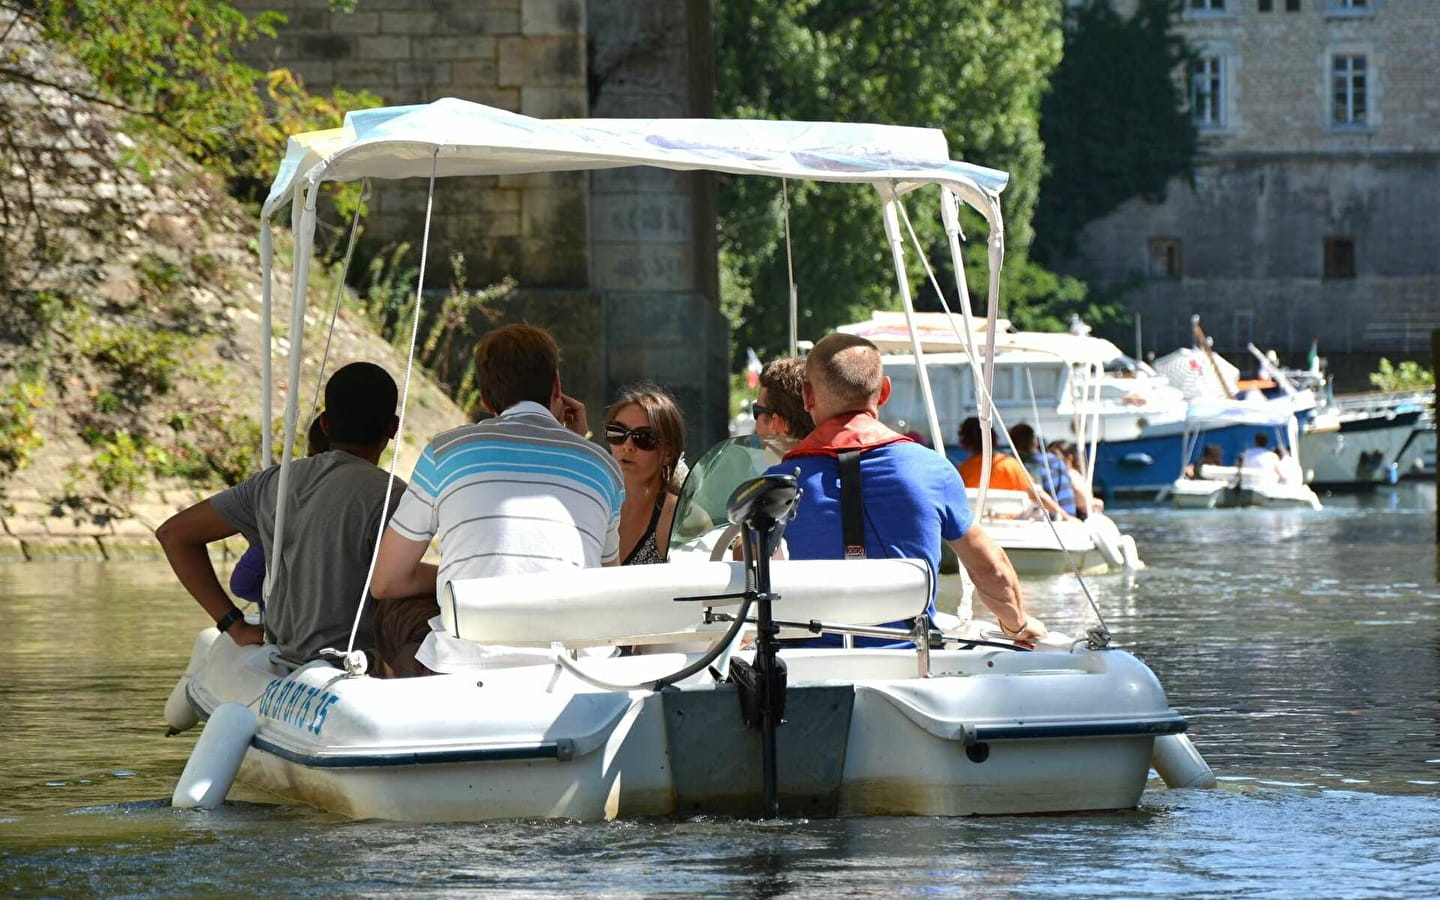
1276,178
620,264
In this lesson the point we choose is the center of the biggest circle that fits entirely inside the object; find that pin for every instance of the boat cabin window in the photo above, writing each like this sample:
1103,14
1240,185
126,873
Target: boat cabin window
1044,381
905,411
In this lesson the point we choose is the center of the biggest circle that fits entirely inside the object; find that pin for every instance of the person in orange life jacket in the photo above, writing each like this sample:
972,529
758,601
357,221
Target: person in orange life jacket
912,497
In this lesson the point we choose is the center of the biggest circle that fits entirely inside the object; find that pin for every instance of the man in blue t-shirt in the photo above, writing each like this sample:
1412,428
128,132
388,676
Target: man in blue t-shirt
912,497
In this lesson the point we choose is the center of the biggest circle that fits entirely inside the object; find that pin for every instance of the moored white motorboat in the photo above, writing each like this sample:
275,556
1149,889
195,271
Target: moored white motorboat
1220,487
960,724
1360,441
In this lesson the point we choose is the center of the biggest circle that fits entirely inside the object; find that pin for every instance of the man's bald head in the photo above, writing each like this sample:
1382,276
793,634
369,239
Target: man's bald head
845,375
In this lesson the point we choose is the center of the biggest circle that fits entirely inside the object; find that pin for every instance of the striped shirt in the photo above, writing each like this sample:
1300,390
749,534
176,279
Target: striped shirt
513,494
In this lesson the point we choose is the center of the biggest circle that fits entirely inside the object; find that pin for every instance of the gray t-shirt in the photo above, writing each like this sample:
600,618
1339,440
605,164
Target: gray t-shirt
331,523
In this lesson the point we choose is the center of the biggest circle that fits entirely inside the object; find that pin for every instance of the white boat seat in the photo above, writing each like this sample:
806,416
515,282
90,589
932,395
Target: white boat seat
1002,504
636,604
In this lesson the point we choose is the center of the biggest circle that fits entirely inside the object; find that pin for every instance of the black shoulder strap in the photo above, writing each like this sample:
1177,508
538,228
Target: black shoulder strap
852,505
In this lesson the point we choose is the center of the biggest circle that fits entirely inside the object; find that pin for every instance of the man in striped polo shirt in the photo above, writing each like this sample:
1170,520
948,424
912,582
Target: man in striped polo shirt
521,492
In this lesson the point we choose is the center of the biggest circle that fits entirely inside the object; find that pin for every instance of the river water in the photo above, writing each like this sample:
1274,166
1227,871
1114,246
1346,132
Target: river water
1304,647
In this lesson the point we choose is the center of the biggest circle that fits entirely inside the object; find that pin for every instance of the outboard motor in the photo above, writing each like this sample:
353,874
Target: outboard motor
762,507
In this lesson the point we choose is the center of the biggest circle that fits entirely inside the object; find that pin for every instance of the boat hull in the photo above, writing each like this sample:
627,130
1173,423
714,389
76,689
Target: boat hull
1360,452
992,732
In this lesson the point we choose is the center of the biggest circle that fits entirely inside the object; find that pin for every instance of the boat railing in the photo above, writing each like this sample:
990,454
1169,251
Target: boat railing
1377,401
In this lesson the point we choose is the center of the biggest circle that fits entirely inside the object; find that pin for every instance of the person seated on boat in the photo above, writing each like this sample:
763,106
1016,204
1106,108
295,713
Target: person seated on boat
1212,455
912,497
247,579
779,407
524,491
1288,470
646,435
1085,501
1006,473
1260,456
333,517
1046,468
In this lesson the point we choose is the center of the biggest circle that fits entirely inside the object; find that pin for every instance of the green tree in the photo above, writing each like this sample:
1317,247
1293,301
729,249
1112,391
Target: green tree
973,68
1409,375
1115,123
171,66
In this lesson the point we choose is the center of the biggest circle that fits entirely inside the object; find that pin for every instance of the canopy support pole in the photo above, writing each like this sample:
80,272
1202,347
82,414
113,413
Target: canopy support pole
897,255
267,378
304,241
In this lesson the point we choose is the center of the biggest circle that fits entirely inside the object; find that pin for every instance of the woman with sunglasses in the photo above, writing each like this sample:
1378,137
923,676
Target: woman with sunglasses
646,436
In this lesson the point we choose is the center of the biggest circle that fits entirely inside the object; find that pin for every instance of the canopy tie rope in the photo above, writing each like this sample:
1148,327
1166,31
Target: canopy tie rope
339,294
350,651
985,397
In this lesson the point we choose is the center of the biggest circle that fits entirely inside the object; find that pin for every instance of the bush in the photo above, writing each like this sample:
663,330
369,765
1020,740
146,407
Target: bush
19,431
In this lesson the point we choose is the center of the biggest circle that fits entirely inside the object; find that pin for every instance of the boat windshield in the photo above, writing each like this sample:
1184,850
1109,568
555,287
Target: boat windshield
714,478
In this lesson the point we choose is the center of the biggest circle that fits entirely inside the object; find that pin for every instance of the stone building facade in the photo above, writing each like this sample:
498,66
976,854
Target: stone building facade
1313,214
619,264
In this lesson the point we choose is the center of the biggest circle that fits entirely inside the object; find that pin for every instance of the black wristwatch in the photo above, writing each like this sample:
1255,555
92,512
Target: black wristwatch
230,618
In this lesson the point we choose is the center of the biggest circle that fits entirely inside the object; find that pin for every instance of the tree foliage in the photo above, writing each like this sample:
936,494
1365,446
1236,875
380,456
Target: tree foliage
1409,375
1115,123
973,68
171,65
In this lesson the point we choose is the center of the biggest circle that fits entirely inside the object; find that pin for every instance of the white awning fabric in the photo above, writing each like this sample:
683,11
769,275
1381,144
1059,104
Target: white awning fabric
463,138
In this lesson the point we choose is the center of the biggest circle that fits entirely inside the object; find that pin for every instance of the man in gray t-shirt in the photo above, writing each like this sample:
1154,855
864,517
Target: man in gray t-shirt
332,520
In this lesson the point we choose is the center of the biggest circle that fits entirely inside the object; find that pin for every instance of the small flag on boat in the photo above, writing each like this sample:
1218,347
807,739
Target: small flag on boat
1312,359
752,367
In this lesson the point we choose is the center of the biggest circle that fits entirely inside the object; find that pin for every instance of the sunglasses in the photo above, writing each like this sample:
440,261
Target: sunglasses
644,437
756,410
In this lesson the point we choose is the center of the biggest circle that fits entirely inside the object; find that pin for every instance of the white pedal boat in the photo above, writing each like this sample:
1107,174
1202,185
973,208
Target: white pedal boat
955,727
1036,546
985,730
1227,486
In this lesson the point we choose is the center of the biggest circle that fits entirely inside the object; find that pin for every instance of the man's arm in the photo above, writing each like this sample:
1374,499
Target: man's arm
184,537
996,584
399,571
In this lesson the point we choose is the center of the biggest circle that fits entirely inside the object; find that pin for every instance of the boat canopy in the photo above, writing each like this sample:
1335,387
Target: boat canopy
939,333
452,137
458,137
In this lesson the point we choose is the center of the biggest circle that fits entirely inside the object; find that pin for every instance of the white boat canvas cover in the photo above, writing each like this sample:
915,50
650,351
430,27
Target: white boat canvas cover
1194,372
465,138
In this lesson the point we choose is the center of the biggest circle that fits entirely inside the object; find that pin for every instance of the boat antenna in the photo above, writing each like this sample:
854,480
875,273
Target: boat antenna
790,271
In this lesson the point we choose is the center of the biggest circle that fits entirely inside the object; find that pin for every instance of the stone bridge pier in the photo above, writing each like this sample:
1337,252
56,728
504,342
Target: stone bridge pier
620,265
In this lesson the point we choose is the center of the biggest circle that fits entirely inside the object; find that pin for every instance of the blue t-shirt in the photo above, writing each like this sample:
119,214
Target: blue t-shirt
913,499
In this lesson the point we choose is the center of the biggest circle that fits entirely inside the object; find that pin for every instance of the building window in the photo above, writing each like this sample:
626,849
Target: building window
1349,84
1351,5
1207,5
1267,5
1292,5
1165,258
1207,92
1339,257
